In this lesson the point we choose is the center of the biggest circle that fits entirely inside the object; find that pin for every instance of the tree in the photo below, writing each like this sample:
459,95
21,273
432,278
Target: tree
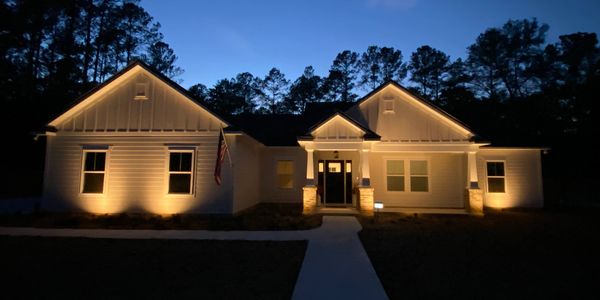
485,62
274,88
340,82
429,68
381,64
223,98
199,91
248,87
161,57
307,88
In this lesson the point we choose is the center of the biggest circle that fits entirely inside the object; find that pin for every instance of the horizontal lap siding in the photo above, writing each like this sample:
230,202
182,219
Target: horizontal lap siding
522,178
136,176
447,181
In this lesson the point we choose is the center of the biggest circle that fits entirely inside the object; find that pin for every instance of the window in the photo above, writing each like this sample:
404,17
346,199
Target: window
94,164
395,175
388,106
495,177
419,177
334,167
141,91
181,166
285,174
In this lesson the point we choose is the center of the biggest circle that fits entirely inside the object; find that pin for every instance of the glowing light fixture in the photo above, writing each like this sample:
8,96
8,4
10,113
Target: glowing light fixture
378,205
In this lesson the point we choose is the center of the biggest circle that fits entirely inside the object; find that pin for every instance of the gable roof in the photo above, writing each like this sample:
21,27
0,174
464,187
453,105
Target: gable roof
80,102
432,107
369,134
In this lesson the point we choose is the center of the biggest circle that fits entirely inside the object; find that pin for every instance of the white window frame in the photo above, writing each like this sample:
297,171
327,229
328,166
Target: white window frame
386,175
191,172
292,174
385,106
84,153
407,175
487,182
141,86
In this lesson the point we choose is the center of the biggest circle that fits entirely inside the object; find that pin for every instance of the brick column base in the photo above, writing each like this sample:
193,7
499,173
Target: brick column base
309,199
475,200
365,200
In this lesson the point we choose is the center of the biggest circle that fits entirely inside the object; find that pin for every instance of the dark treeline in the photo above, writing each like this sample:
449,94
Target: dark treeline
513,87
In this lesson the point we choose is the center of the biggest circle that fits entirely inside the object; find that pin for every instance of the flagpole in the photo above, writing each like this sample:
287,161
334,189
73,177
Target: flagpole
225,141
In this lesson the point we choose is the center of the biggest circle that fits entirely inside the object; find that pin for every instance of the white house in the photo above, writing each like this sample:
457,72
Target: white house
139,142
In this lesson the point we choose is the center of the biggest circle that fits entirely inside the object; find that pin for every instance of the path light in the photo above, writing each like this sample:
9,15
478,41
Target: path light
378,205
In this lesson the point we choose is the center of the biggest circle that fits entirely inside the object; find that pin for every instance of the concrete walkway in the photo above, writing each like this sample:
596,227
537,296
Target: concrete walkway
335,264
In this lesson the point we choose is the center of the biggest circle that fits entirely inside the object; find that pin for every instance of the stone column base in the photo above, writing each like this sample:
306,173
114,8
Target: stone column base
475,200
309,199
365,200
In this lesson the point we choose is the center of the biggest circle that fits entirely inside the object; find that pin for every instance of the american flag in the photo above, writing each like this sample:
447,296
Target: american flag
220,157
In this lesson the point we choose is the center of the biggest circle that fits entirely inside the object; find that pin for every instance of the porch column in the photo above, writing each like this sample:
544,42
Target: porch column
309,192
473,193
365,191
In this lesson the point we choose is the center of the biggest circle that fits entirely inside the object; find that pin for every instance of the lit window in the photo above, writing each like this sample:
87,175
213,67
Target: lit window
285,174
141,91
94,163
321,167
181,165
334,167
419,177
495,177
395,175
388,106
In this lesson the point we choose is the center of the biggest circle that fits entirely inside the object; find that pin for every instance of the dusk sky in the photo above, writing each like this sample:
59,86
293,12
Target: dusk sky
219,39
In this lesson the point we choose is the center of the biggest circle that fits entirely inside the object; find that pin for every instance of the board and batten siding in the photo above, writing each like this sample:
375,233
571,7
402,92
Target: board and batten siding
136,176
523,177
447,180
338,129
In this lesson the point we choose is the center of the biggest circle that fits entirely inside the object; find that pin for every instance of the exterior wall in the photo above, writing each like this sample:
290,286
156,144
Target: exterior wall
447,181
136,176
523,177
269,191
246,172
338,129
410,121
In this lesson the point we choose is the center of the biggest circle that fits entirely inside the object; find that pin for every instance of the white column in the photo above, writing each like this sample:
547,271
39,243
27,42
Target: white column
310,168
472,169
364,168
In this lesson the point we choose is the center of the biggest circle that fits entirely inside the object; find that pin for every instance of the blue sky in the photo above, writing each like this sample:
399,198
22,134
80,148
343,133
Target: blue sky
219,39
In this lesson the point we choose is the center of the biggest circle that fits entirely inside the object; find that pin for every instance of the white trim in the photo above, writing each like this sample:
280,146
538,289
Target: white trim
345,120
192,171
487,177
100,148
407,174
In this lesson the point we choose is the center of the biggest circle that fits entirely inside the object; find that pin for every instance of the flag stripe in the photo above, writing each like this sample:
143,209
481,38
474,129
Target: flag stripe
221,150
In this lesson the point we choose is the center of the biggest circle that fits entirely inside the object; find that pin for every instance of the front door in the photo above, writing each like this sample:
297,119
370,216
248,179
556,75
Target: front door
335,182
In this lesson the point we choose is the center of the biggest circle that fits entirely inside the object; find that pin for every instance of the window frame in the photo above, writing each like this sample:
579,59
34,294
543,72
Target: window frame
291,174
407,175
487,176
191,172
385,106
145,87
84,153
387,175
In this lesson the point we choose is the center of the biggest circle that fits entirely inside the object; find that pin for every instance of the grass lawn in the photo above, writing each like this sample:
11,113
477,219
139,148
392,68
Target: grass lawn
260,217
79,268
503,255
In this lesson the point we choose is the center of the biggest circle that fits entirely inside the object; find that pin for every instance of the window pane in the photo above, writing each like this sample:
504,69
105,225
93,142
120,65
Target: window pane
395,167
285,167
395,183
285,181
179,183
93,183
496,185
334,167
419,184
180,161
495,168
94,161
418,167
321,167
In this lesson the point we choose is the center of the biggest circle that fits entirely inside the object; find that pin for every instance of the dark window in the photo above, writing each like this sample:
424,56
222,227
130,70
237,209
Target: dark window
495,177
180,172
93,172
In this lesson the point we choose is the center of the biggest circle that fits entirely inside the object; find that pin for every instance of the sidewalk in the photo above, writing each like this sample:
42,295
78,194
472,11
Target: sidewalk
335,264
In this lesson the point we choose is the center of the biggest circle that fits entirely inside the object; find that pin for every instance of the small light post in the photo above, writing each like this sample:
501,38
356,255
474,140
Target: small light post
378,205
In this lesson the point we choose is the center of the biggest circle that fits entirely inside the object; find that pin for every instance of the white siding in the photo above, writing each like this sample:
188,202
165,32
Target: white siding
338,129
523,177
246,152
447,181
137,180
270,192
411,121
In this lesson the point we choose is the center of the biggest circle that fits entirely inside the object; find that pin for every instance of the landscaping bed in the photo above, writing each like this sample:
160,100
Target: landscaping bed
80,268
503,255
260,217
